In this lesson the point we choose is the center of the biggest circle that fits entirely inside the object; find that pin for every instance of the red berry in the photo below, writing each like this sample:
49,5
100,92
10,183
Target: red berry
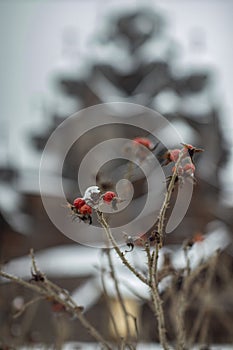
174,155
108,196
144,141
79,202
85,210
189,168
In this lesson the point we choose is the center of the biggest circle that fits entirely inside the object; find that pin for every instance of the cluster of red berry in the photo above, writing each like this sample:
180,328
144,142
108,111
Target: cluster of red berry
84,211
186,166
81,206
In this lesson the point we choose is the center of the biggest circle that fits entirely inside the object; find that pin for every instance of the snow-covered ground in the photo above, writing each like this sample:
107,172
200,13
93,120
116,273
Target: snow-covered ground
72,261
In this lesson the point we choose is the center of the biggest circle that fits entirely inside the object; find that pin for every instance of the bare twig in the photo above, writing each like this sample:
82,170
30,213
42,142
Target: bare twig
46,290
152,262
153,286
158,310
167,198
117,249
25,306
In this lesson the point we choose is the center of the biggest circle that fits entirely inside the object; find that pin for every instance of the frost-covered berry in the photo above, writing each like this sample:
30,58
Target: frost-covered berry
108,196
92,196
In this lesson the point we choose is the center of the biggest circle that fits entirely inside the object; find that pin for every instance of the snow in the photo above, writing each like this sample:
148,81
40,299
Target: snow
9,198
217,239
76,261
167,101
10,202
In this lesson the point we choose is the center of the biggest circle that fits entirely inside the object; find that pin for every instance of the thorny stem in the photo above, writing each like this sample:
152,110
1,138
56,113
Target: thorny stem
149,262
154,263
179,316
157,302
52,293
153,259
162,213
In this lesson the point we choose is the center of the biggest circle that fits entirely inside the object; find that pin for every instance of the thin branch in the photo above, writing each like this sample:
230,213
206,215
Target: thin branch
154,291
117,249
159,313
25,306
157,302
149,262
165,205
68,304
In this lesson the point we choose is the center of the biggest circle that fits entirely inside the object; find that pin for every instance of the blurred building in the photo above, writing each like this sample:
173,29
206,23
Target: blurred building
135,60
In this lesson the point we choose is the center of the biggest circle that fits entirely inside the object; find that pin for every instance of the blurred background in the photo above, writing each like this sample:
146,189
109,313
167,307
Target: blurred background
58,57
